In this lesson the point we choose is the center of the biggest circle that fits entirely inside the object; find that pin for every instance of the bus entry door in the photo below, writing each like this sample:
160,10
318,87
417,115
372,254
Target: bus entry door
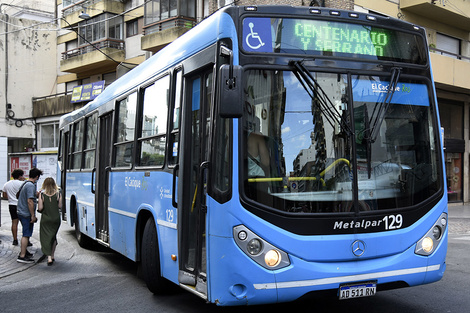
192,181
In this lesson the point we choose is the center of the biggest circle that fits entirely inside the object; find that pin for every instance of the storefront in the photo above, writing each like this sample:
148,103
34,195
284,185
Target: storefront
452,123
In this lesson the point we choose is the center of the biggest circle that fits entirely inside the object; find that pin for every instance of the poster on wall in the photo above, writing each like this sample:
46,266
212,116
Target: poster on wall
47,163
21,162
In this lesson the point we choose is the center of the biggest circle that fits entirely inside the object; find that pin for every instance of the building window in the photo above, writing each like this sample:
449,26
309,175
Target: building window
100,27
66,3
49,134
158,10
448,46
132,28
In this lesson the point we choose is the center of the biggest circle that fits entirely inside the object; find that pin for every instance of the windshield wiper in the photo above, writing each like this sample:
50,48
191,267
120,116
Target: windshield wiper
319,96
372,126
383,107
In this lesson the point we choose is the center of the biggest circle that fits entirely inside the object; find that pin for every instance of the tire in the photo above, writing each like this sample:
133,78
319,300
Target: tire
150,260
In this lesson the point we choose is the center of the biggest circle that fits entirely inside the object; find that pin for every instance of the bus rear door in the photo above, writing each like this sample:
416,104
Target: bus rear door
102,177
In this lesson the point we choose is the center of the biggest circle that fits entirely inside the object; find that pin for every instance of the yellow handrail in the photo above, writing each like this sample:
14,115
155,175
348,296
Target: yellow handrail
276,179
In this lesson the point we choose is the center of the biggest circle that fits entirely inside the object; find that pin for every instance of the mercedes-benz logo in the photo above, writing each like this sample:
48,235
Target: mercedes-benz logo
358,247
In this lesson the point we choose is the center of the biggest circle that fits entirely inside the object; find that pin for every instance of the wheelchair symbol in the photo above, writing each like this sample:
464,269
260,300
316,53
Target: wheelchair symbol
253,40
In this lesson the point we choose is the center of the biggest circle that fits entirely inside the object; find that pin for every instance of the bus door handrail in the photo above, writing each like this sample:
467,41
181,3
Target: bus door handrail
93,180
173,189
107,170
202,168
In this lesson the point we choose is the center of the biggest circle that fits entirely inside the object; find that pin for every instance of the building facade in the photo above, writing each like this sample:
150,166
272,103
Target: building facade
27,39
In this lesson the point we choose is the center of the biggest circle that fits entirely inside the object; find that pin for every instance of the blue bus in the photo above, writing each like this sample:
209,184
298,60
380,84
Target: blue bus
270,153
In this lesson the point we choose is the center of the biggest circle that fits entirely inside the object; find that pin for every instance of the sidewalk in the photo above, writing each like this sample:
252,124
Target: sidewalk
9,253
459,223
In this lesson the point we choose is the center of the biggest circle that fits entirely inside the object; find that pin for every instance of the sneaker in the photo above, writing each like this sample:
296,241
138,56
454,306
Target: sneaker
24,260
28,254
15,242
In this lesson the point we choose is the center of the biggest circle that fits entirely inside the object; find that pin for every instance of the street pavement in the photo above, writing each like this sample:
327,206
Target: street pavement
9,252
459,224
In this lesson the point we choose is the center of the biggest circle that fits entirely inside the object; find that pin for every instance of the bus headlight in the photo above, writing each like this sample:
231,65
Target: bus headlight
427,244
430,241
272,258
259,250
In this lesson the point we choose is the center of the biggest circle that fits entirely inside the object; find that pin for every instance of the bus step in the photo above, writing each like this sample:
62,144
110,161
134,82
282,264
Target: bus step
193,290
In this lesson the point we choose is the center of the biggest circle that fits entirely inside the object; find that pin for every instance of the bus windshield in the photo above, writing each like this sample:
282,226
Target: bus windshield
300,155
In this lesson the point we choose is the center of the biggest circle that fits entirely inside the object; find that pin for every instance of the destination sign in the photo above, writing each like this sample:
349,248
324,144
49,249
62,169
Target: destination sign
345,38
331,38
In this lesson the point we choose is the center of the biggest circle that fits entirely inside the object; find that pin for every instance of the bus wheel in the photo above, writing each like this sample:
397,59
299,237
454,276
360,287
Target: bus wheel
150,260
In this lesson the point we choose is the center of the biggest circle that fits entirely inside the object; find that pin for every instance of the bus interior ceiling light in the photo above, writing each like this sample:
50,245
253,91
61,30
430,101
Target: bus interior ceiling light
259,250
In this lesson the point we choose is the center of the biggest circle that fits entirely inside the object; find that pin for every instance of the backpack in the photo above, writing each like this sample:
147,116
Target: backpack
18,193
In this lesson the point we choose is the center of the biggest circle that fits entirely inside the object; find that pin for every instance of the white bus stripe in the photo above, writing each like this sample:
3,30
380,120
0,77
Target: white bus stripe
128,214
166,224
346,279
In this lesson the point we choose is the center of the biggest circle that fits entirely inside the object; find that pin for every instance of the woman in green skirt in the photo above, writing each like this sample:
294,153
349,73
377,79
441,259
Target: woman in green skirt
49,203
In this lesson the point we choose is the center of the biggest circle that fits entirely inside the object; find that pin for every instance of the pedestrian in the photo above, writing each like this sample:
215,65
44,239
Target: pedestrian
27,212
49,203
9,193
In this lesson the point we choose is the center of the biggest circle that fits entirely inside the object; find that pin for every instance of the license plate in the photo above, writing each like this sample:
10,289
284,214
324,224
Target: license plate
357,290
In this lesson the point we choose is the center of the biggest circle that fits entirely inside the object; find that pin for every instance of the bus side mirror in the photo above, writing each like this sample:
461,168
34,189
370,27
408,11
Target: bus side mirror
231,95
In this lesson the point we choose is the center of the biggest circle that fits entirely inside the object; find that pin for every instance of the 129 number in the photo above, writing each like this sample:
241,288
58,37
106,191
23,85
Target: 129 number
393,221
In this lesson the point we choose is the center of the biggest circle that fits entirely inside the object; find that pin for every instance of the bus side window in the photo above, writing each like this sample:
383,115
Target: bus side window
124,140
77,145
90,140
175,122
155,110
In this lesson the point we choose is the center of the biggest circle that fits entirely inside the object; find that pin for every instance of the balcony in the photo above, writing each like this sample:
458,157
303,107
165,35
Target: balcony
455,13
159,34
92,7
451,71
91,59
57,104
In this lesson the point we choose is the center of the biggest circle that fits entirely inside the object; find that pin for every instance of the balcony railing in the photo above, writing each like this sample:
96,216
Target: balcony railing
178,21
449,54
105,43
77,6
